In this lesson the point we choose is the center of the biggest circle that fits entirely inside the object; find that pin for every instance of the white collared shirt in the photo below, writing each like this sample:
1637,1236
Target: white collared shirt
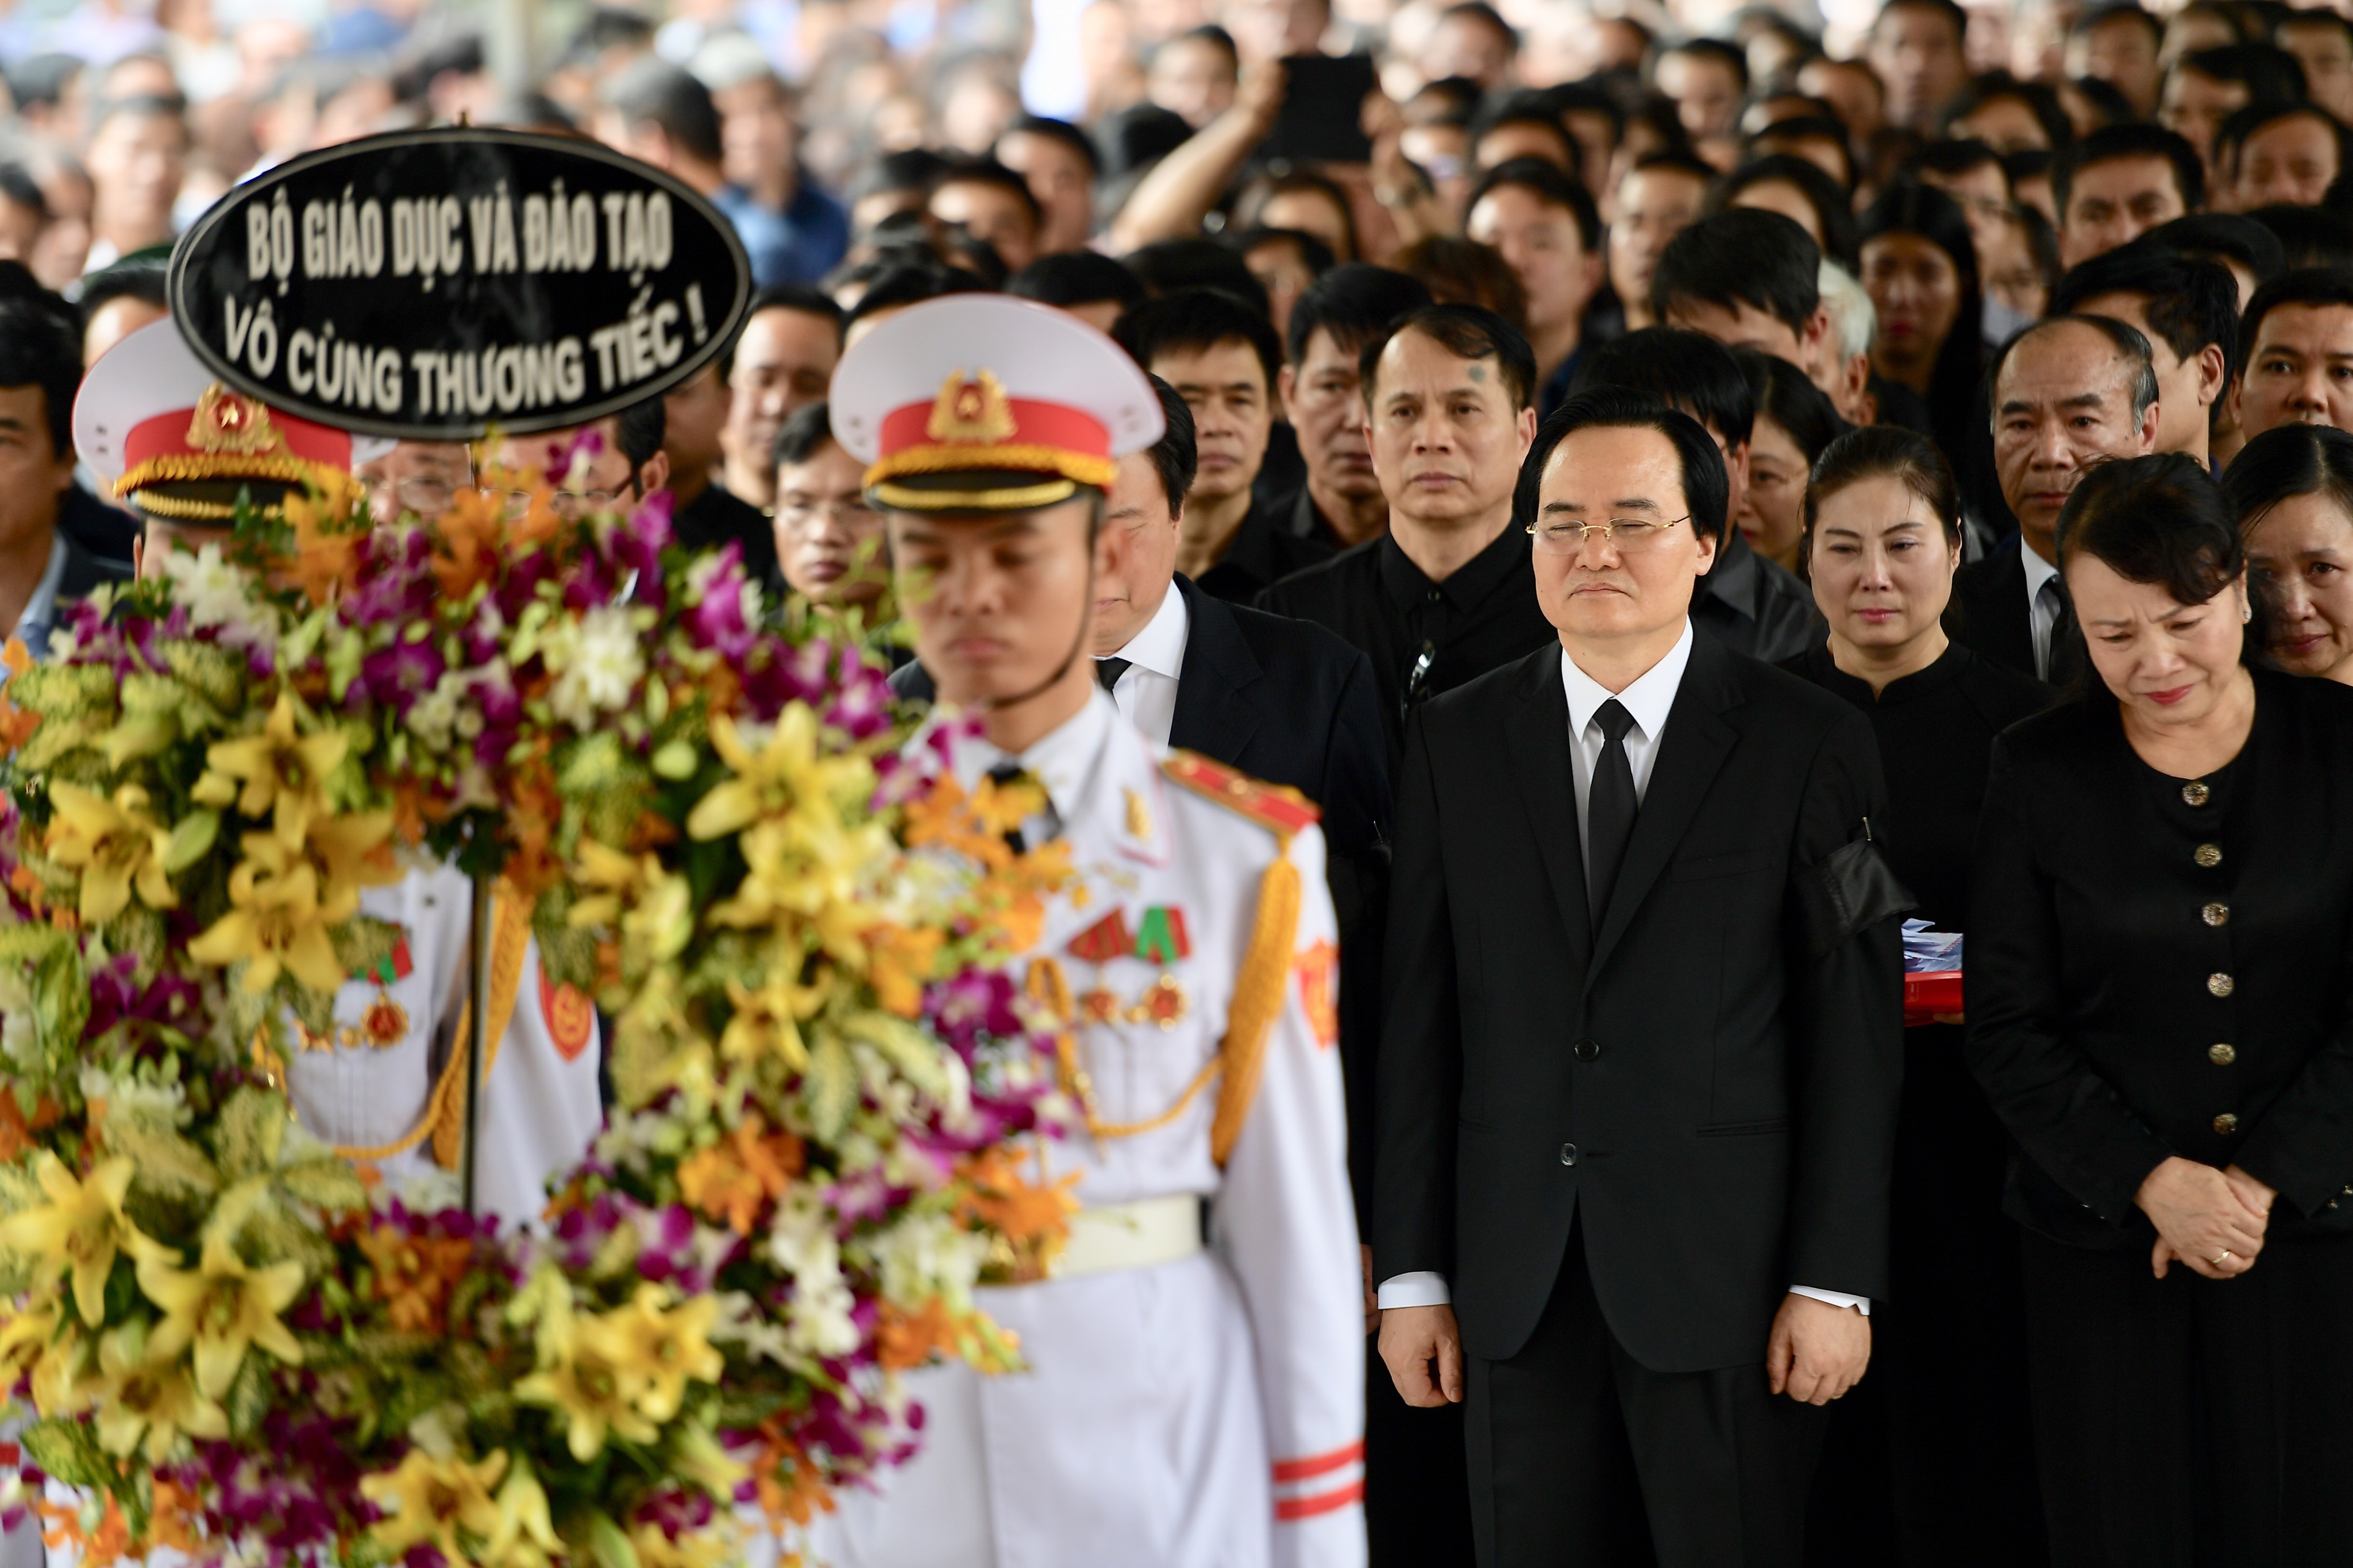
1065,761
1147,691
2042,608
1648,697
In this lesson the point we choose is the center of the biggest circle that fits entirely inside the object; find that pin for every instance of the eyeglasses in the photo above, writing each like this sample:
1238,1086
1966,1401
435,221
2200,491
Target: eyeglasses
799,512
426,498
569,505
1630,535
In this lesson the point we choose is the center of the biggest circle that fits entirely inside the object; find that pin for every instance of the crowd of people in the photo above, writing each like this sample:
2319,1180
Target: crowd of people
1988,371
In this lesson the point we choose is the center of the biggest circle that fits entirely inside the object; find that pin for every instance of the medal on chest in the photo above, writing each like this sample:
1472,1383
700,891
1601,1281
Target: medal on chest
383,1024
1160,938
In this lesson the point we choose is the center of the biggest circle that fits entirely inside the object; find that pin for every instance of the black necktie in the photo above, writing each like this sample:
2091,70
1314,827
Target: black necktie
2066,641
1003,776
1109,671
1610,808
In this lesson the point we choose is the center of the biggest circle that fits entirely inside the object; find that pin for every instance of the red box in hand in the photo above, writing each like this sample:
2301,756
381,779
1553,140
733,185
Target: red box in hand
1927,994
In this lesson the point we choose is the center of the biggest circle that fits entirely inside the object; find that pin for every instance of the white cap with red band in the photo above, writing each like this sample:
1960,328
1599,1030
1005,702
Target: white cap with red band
980,402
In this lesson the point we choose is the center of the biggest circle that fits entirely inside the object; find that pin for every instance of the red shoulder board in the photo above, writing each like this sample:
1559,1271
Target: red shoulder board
1276,806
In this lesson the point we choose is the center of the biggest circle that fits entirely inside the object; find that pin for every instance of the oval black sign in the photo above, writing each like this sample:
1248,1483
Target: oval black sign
433,285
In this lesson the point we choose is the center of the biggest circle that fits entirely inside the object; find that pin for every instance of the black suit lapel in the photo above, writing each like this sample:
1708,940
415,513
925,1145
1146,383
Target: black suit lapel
1216,714
1548,780
1690,754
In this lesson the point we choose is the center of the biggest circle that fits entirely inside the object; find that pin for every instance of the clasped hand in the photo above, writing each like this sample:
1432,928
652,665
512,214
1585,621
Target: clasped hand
2212,1220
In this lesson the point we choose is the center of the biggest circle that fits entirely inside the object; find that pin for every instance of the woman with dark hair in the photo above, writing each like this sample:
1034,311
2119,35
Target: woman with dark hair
1799,189
2292,490
1883,537
2160,1008
1795,423
1920,269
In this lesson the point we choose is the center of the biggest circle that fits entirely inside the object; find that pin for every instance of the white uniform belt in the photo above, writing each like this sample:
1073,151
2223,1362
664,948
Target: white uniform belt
1141,1235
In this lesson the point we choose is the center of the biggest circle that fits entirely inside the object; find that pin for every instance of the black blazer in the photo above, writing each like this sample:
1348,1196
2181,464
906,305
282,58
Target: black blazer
1289,702
1988,613
2097,941
1715,1091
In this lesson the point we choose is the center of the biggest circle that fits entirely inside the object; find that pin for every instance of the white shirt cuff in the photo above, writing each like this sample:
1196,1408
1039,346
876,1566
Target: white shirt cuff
1835,1297
1425,1288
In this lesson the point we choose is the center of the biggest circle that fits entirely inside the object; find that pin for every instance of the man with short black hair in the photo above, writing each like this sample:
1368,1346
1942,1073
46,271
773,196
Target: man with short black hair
661,115
1749,604
1662,195
794,231
1547,230
1223,359
1749,278
42,569
137,158
2188,311
2296,352
829,544
607,465
995,205
2120,182
2207,86
1341,502
1444,594
1917,46
781,360
1059,163
1637,1108
2281,154
2322,43
2119,43
2069,393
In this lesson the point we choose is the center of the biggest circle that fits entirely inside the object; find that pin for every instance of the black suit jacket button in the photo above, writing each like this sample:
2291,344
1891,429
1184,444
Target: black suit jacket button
2226,1124
2208,856
2221,984
2222,1055
1586,1051
2216,914
2196,793
1568,1154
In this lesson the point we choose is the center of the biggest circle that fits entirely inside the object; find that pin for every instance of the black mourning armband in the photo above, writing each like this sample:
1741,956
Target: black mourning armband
1850,890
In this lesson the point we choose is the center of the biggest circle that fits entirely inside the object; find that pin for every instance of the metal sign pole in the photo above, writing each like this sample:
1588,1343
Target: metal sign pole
478,985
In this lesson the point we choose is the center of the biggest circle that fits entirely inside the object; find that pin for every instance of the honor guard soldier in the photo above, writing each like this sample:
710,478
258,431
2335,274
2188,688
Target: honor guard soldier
385,1086
1194,1388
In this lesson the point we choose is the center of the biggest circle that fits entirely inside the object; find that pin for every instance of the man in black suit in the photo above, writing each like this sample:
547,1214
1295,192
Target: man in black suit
1637,1076
1280,700
2068,393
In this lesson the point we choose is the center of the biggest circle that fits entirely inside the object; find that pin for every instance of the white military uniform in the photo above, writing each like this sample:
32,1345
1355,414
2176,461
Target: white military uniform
363,1088
1183,1406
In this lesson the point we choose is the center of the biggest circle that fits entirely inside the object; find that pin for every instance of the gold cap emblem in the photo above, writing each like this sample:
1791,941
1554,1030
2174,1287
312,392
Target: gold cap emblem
228,422
971,409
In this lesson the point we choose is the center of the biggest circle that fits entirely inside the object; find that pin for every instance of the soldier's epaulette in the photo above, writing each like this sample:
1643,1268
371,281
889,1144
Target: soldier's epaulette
1277,807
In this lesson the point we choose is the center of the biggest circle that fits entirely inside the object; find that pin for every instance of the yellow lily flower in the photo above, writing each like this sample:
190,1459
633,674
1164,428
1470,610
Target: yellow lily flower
525,1537
783,775
147,1403
652,911
672,1346
349,852
703,1548
700,1459
276,920
115,845
77,1232
768,1020
66,1375
280,772
24,1338
590,1373
430,1501
224,1308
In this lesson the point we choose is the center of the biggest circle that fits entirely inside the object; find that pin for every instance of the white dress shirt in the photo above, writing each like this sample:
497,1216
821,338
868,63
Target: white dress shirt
2042,608
1648,697
1146,692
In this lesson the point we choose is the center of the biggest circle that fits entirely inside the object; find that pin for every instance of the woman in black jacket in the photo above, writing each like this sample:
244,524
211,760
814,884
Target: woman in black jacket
1940,1428
2160,1006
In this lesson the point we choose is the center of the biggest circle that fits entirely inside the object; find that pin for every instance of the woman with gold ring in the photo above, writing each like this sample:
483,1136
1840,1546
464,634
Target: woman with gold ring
2159,986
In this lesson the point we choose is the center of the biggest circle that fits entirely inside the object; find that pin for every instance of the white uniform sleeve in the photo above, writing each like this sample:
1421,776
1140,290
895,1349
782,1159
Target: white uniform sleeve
1285,1221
